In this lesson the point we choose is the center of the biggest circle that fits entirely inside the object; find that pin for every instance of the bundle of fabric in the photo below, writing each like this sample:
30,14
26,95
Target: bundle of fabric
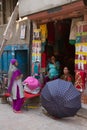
32,85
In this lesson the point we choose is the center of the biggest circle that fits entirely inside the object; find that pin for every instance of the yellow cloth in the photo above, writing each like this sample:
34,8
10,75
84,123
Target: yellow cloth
44,32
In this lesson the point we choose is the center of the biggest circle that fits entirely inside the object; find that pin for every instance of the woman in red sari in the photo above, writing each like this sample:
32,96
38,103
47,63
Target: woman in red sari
66,75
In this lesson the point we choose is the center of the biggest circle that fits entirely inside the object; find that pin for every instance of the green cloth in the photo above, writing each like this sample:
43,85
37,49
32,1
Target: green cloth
72,42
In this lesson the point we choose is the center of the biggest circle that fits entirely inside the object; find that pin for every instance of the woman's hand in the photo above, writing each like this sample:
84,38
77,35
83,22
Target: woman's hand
21,75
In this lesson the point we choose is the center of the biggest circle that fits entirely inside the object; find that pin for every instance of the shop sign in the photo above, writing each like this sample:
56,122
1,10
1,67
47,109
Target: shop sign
23,31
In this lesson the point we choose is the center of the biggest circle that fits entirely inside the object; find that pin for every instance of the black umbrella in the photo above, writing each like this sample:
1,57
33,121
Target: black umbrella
60,98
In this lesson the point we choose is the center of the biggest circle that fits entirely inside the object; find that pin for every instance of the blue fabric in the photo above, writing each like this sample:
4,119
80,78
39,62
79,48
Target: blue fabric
36,67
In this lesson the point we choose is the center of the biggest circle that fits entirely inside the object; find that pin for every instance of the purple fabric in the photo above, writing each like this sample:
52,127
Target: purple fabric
17,104
13,61
47,79
14,76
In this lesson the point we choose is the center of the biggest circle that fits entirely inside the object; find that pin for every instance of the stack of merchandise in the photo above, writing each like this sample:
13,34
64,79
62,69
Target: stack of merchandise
81,55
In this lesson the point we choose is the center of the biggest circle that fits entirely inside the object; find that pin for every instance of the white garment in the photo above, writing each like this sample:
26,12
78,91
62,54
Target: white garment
14,89
12,68
34,91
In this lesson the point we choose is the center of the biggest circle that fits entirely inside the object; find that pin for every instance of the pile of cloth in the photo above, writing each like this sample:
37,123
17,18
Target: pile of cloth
32,85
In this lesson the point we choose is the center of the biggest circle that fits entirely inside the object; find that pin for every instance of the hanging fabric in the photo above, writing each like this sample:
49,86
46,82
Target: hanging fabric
73,30
43,60
80,80
36,69
44,32
51,32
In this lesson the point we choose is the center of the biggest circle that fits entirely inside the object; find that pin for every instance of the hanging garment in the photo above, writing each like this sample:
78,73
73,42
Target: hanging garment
36,69
51,33
43,60
44,32
80,80
73,30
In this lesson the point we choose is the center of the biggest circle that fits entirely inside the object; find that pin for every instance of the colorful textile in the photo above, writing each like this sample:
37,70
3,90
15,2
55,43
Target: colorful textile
73,30
44,32
36,69
80,80
29,95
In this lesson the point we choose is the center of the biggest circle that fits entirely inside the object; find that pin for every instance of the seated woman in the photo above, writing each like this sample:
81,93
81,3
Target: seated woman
52,70
66,75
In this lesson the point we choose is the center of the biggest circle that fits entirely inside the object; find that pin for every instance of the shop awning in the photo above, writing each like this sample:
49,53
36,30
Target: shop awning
75,9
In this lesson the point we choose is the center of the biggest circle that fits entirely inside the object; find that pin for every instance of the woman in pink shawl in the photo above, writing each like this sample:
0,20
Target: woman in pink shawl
16,89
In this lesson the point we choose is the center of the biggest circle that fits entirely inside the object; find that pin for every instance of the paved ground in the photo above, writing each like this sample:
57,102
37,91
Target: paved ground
34,119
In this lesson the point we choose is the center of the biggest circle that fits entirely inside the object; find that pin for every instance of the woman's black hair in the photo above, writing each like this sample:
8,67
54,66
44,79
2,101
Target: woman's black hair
51,57
67,68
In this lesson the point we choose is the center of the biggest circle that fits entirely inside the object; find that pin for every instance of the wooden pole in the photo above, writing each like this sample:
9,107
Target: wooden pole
2,46
30,47
8,31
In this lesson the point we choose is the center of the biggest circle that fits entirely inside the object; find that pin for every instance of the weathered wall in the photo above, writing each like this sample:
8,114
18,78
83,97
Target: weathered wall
15,39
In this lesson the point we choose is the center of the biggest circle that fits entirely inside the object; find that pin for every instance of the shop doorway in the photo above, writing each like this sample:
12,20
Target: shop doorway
58,43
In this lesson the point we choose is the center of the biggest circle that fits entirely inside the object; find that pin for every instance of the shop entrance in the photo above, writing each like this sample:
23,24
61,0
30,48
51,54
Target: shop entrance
58,43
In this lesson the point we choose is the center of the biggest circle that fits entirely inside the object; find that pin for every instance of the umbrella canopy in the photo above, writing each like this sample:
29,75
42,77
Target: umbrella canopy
60,98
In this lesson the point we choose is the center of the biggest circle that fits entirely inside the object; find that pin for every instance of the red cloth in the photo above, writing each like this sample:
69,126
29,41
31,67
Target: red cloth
43,60
80,80
29,95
